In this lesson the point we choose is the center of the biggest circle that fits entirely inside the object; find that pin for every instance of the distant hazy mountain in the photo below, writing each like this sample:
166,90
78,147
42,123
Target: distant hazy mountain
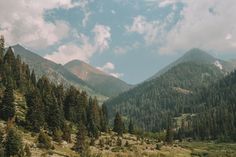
150,103
198,56
102,82
55,72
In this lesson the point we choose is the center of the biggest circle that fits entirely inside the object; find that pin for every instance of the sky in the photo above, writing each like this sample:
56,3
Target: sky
129,39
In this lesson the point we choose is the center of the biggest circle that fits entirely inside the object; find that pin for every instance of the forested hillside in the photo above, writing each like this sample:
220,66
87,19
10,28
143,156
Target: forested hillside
49,109
151,103
215,108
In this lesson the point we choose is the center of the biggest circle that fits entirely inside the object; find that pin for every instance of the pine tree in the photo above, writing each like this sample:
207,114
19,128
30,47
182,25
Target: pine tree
131,127
33,78
81,146
9,57
35,112
104,119
67,130
7,107
118,125
2,48
169,132
13,144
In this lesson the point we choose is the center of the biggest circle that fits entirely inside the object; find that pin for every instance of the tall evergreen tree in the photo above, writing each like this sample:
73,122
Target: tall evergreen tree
13,146
7,110
118,125
2,47
104,117
33,78
9,57
131,127
35,112
169,131
81,146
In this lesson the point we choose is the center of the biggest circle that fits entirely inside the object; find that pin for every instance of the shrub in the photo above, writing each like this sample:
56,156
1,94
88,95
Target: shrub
44,141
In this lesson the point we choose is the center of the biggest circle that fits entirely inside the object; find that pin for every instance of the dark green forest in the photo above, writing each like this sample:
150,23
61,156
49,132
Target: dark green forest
201,91
51,109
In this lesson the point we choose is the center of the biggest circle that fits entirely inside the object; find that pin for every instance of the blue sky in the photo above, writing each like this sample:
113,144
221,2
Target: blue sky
129,39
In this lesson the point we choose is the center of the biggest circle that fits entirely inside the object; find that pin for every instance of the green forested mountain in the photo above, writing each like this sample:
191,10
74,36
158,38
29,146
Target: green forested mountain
198,56
46,108
102,82
150,103
55,72
215,111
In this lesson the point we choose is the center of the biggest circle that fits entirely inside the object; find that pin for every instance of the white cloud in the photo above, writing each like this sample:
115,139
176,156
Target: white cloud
124,49
228,36
109,68
143,27
165,3
86,49
102,37
208,24
85,20
22,21
153,32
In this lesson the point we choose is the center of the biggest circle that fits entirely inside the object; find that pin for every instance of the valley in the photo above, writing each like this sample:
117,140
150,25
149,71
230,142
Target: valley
48,109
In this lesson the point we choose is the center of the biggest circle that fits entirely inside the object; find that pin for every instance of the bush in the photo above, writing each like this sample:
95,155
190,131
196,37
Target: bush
158,146
101,143
119,142
57,135
27,151
126,144
44,141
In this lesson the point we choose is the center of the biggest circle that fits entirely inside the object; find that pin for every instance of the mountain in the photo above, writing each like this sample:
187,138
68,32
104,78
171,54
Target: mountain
152,102
198,56
101,81
55,72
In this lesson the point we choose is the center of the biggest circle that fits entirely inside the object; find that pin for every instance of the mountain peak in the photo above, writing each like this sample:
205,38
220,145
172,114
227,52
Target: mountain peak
197,55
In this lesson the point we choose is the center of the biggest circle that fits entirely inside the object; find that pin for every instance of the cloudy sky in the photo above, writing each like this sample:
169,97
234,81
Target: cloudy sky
130,39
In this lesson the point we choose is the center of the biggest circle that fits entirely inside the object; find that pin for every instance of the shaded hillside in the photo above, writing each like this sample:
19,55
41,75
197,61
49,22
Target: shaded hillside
151,102
102,82
216,111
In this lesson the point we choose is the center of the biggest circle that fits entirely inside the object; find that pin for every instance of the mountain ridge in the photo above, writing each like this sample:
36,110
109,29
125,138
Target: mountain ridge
56,72
195,55
101,81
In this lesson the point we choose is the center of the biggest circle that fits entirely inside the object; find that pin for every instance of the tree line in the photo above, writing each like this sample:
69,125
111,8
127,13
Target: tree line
51,109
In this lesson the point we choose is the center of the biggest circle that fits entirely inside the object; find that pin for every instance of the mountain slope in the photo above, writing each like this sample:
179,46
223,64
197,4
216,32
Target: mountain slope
102,82
150,103
55,72
197,56
215,111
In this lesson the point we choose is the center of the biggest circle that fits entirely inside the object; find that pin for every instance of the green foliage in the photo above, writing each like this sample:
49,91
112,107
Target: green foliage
57,135
119,142
67,130
7,109
150,103
131,127
44,141
81,146
13,145
35,112
118,125
27,151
